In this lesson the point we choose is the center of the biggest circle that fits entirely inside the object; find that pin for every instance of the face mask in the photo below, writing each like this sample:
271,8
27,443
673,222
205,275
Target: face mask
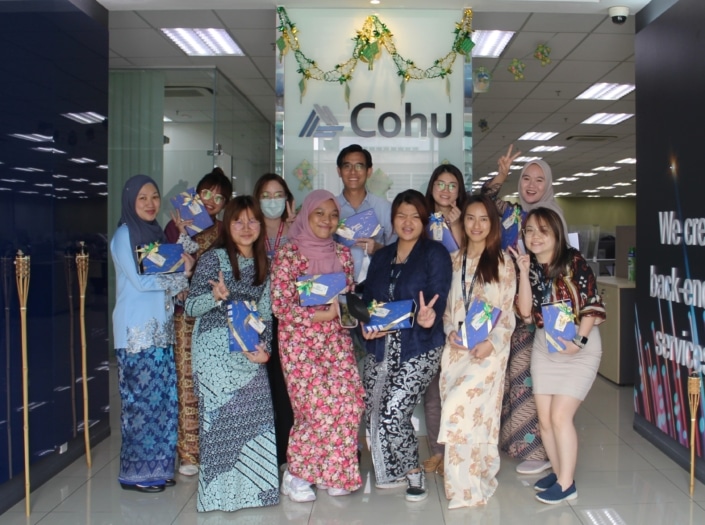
272,208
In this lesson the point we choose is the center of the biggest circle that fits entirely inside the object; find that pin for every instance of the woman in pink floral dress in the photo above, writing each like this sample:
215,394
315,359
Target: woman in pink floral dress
317,358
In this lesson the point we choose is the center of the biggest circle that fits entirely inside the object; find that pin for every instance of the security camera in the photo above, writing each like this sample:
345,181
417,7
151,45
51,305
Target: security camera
619,14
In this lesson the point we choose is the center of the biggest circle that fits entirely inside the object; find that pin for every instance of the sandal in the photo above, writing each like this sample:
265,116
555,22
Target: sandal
440,469
431,464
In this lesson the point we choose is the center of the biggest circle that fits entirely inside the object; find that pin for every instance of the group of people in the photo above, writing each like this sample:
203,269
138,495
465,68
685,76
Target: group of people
298,399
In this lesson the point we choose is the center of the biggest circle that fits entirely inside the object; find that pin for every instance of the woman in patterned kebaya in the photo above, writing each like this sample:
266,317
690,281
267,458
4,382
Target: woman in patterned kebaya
317,358
236,424
472,376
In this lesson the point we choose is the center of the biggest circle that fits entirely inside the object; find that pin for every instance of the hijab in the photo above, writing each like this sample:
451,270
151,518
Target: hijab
548,199
319,252
141,232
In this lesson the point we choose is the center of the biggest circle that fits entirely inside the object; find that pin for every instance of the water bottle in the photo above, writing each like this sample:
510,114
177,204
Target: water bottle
631,264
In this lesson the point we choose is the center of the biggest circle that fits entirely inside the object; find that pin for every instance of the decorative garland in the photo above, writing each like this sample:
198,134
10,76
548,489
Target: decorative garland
369,42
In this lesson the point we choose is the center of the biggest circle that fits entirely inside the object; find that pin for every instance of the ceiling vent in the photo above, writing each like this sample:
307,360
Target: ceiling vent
591,138
187,91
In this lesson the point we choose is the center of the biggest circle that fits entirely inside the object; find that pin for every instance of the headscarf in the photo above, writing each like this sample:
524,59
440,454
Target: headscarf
319,252
548,199
141,232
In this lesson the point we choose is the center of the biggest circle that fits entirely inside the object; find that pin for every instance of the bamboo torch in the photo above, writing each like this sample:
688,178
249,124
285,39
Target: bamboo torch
68,274
693,401
22,277
82,271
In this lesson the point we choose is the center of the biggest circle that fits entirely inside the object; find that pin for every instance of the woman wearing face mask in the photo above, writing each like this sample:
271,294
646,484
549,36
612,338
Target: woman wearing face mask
277,204
214,190
519,434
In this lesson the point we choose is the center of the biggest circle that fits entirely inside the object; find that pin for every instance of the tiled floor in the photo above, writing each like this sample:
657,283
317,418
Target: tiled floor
621,479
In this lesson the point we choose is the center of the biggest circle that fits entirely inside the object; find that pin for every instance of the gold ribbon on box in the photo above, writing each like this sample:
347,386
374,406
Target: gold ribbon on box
153,247
189,198
389,326
305,287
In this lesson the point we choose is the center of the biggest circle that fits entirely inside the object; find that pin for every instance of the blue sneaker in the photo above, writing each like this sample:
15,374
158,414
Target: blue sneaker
546,482
555,494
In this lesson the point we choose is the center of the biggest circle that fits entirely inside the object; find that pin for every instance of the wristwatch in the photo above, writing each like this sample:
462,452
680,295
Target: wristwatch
580,341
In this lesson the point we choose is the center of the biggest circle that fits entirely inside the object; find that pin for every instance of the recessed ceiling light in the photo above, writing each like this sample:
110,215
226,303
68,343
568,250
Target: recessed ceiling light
591,191
514,167
203,42
61,189
167,119
559,183
82,160
102,167
34,137
605,187
30,170
99,184
562,193
607,119
527,159
79,180
630,194
606,168
622,184
593,196
103,193
606,91
546,149
374,2
538,135
484,178
49,150
626,161
584,174
59,176
490,44
29,192
568,179
43,185
11,180
5,189
88,117
493,173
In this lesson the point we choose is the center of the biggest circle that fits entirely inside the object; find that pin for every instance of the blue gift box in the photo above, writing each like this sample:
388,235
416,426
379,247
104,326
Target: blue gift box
558,321
244,326
479,321
395,315
320,289
160,258
438,231
363,225
191,208
511,226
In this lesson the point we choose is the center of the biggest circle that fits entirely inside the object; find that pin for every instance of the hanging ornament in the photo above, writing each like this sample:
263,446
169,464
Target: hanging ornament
542,53
516,68
481,79
483,125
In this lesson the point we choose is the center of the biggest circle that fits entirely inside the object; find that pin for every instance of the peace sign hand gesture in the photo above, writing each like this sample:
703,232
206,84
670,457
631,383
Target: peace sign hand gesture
505,161
291,211
426,315
220,291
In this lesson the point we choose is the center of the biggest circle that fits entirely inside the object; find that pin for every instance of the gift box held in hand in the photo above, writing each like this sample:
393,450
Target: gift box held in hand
244,326
160,258
315,290
363,225
191,208
511,226
479,321
395,315
439,231
558,321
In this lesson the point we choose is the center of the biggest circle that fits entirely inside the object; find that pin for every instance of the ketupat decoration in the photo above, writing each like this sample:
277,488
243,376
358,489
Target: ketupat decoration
379,183
542,54
305,173
369,42
516,68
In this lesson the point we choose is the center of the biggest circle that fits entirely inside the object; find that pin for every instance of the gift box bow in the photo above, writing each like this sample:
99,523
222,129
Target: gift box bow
148,250
483,316
565,312
374,306
189,198
304,287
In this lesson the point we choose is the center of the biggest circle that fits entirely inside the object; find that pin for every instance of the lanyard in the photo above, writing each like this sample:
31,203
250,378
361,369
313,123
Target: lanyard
467,294
394,275
278,239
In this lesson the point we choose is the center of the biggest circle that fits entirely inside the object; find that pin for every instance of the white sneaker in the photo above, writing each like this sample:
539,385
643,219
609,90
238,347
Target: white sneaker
332,491
297,489
533,466
416,490
395,484
188,469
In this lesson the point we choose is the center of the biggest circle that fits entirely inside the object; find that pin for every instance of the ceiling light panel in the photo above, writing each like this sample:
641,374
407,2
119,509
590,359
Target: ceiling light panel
538,135
607,119
88,117
605,91
527,159
626,161
203,42
546,149
490,44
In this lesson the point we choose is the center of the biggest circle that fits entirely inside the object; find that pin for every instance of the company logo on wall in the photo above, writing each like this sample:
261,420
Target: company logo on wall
313,126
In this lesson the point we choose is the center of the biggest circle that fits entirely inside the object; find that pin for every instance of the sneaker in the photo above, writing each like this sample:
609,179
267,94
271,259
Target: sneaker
394,484
546,482
555,494
416,489
188,469
332,491
297,489
533,467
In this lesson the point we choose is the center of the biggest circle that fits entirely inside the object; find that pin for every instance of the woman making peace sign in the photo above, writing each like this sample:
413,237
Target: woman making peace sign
401,364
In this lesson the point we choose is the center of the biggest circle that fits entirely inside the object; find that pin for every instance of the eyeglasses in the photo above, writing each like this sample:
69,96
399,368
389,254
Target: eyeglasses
252,224
441,185
540,232
207,195
358,166
275,195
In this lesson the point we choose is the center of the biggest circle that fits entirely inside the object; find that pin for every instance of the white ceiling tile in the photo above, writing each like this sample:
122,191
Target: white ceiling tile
579,71
248,18
142,43
194,18
607,47
125,20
